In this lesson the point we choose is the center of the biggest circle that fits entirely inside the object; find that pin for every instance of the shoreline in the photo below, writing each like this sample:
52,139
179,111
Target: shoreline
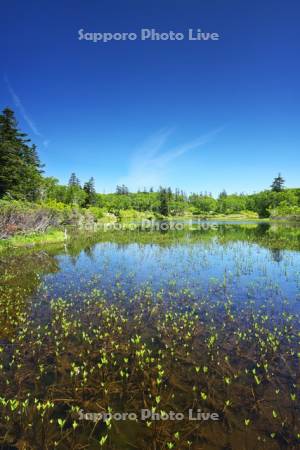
57,236
53,236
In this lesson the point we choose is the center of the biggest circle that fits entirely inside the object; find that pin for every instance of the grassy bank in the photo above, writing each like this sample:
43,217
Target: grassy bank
238,216
56,236
53,236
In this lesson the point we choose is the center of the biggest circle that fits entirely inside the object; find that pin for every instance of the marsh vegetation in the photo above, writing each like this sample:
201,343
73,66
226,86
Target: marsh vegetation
166,321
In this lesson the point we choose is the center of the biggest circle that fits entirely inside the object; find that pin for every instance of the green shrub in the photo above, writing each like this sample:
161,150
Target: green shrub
285,210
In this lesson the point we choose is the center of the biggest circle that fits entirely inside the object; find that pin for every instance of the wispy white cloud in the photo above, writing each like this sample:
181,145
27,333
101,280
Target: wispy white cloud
22,110
149,164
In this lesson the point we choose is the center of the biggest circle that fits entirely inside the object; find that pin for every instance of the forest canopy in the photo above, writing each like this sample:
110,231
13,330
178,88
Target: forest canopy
22,179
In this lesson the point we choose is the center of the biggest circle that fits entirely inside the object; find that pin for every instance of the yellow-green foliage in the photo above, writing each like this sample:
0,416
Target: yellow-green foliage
49,237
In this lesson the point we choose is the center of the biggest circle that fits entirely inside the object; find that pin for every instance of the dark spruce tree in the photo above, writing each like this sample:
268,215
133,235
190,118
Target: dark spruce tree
278,184
223,194
163,202
122,190
73,180
89,189
20,167
75,195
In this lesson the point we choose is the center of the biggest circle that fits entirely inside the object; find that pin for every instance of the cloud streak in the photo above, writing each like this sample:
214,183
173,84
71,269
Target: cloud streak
149,164
17,101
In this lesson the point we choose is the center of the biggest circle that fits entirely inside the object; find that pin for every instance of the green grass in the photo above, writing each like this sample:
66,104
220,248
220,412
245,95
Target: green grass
19,240
237,216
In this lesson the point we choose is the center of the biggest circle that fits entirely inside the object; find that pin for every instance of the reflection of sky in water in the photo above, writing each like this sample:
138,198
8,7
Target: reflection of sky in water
251,272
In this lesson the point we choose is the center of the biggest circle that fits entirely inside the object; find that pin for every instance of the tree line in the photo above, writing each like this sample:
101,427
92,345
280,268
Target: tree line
22,178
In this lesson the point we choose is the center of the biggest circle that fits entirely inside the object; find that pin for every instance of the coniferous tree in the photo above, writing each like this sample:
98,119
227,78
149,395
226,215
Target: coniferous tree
164,202
20,167
278,184
73,180
89,188
223,194
122,190
31,181
125,190
75,195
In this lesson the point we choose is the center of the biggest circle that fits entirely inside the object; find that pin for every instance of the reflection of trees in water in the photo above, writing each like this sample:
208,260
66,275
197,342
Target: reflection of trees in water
74,249
266,235
25,268
262,229
89,251
164,234
277,254
20,278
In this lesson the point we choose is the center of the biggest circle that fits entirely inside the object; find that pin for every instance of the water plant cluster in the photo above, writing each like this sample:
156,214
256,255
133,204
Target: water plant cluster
76,341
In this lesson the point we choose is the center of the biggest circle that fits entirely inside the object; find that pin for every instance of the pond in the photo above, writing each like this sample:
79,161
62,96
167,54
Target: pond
181,338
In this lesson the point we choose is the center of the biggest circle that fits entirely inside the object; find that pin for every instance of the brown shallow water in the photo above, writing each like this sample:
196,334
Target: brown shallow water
156,324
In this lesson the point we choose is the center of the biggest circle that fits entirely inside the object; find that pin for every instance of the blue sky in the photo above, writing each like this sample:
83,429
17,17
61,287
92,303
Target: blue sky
197,115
